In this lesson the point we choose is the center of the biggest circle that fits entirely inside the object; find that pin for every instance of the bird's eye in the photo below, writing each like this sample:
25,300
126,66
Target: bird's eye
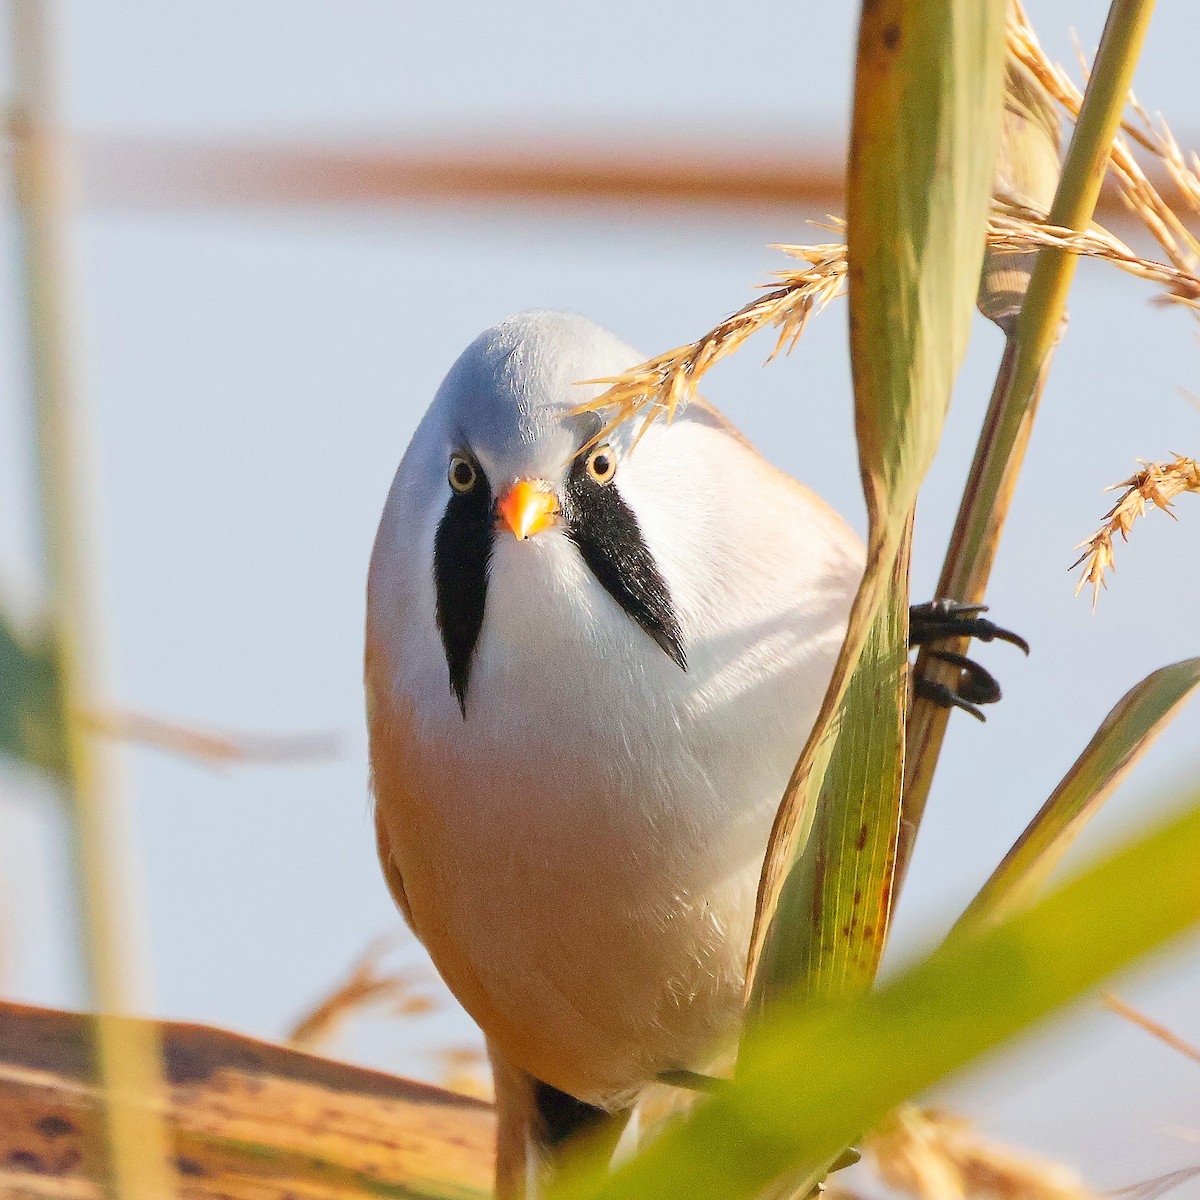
462,473
602,464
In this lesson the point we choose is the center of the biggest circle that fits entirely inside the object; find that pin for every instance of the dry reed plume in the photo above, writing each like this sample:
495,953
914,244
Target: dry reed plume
363,985
1139,194
660,385
1157,484
463,1069
1013,229
932,1155
663,383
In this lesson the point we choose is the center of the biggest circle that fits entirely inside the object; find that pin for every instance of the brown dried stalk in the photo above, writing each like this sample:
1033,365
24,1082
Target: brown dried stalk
1157,484
1151,1026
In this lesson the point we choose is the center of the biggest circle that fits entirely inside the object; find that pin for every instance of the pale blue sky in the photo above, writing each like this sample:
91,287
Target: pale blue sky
251,379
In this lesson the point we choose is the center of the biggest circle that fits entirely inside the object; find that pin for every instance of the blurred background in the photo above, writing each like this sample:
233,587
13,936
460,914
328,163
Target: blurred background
291,217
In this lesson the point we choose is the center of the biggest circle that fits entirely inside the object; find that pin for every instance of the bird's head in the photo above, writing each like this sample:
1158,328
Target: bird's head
503,458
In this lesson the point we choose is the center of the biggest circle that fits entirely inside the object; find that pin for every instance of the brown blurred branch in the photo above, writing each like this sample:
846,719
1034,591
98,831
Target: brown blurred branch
213,748
621,171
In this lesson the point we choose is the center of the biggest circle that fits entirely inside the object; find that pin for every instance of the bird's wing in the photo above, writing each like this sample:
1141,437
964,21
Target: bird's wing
391,872
387,734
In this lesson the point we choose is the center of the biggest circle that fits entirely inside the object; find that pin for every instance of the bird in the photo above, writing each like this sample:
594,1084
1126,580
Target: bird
593,656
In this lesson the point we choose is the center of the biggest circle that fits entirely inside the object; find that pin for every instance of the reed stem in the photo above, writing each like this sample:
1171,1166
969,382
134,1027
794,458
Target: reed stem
127,1053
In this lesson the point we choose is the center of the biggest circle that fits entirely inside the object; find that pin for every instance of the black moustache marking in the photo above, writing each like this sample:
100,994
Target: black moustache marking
607,533
462,549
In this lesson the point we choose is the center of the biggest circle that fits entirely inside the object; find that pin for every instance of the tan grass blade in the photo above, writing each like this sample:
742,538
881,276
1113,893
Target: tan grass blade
1152,1027
1125,735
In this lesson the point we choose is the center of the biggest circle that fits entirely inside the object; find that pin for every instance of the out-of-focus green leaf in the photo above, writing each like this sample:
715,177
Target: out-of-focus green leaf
812,1079
30,726
1126,734
922,151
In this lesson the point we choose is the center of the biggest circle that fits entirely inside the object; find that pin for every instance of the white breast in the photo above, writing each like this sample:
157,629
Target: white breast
581,853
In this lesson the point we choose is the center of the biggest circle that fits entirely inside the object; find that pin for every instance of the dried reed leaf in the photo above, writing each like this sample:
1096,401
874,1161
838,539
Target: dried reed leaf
932,1155
363,985
247,1120
1156,484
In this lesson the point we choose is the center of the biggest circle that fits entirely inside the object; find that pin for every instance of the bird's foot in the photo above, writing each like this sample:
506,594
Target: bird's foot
940,620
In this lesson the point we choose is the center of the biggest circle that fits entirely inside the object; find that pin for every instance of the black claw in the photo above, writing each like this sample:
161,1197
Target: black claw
942,620
945,696
939,619
977,684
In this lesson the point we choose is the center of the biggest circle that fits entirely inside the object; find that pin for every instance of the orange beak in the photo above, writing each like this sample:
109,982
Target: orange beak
528,507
